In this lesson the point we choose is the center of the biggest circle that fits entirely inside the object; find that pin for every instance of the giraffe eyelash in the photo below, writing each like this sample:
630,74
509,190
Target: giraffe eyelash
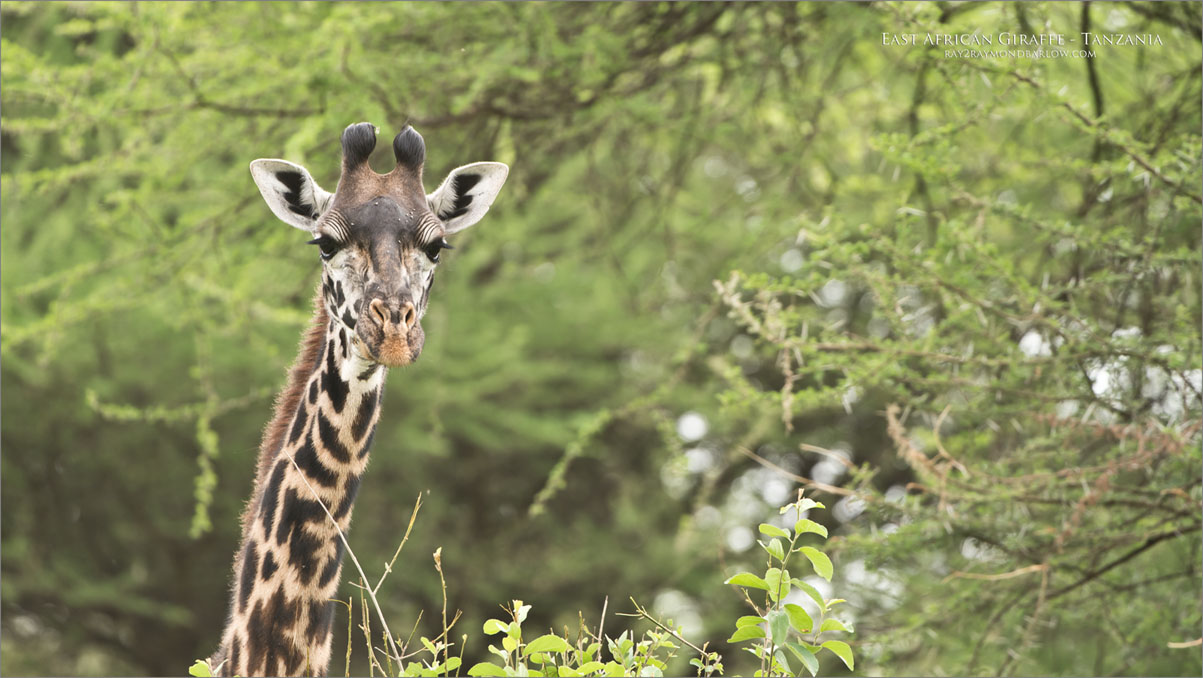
432,250
328,246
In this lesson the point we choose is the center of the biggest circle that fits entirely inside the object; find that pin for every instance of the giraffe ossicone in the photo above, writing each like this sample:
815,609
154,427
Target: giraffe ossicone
379,239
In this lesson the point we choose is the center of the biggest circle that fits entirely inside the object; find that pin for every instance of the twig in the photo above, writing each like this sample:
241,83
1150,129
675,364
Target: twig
646,615
789,474
388,567
996,577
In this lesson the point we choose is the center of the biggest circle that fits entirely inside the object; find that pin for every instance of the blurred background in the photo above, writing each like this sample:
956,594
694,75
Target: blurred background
743,249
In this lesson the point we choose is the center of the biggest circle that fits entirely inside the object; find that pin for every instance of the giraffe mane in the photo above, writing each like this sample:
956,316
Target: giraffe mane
289,398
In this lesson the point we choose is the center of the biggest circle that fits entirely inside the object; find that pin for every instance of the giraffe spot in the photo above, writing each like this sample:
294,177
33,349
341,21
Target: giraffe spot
298,424
306,458
339,297
258,641
233,669
336,389
367,409
295,514
329,437
271,496
320,616
348,319
269,566
331,569
266,628
367,444
250,563
302,554
369,371
350,489
313,392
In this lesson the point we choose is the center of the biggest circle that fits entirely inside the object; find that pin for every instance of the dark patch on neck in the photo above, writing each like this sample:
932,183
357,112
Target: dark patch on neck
329,437
250,564
332,566
367,444
269,565
302,554
350,489
336,389
320,616
369,371
363,418
231,669
266,627
271,496
296,513
311,466
313,392
348,319
298,424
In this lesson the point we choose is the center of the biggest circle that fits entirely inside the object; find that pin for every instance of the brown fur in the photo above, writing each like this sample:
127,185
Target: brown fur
287,401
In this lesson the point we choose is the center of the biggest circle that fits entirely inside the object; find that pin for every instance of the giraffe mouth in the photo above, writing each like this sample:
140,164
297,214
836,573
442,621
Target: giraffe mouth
392,349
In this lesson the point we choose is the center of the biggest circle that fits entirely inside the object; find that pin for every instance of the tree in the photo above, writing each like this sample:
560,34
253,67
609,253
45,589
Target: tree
923,265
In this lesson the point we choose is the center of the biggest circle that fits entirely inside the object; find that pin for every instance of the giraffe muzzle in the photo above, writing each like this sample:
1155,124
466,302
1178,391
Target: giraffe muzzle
392,335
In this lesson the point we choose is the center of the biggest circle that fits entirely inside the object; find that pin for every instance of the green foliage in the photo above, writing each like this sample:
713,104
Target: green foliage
786,625
958,298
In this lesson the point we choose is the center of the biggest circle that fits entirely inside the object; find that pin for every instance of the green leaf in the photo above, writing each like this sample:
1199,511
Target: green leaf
522,611
803,526
775,549
778,626
567,671
547,643
495,626
590,667
749,580
841,650
805,656
782,664
451,664
821,562
833,625
614,669
773,531
509,643
200,669
748,621
798,618
810,591
429,646
746,633
486,669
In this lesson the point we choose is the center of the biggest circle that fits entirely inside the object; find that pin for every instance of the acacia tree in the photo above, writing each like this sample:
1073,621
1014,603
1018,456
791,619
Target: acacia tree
975,281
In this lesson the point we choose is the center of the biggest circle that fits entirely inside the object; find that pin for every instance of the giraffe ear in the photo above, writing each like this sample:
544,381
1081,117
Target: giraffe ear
290,192
466,194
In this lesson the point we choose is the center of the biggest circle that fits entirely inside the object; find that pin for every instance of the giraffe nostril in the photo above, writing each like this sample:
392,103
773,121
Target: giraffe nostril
409,315
379,312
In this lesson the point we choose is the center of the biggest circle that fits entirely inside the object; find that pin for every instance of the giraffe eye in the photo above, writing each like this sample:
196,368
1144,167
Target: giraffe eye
328,246
432,250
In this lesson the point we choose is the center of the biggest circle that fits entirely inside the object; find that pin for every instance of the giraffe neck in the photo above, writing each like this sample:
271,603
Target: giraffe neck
313,455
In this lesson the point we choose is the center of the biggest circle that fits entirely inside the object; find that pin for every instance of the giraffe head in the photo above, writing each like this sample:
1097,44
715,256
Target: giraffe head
379,235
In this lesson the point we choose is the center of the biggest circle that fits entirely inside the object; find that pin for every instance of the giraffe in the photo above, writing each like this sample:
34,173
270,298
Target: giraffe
379,237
